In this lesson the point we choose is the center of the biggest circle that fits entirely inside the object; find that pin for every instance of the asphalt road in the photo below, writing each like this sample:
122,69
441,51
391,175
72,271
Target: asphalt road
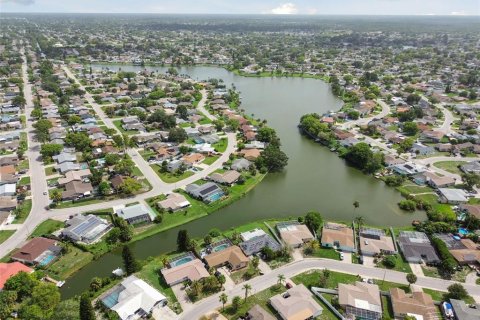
263,282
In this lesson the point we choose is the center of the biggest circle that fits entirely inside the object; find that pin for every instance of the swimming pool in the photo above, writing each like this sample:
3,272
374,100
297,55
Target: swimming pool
221,247
216,196
47,260
463,231
181,261
112,299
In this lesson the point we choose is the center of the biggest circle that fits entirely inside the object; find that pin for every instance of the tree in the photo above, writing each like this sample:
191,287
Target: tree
22,283
255,262
410,128
457,291
104,188
223,299
66,309
56,195
360,221
280,279
112,159
361,157
86,308
389,261
95,284
132,86
79,140
129,262
313,220
183,240
50,149
411,278
46,296
407,205
177,135
31,312
356,205
247,289
113,236
7,303
219,124
41,127
124,167
19,101
129,186
182,111
272,158
236,302
234,124
471,180
266,134
74,119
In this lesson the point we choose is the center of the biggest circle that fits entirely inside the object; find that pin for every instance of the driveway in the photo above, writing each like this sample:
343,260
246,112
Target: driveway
347,257
297,254
416,269
163,313
229,284
368,261
182,296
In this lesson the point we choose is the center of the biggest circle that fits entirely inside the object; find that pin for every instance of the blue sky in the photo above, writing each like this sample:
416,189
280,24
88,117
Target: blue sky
370,7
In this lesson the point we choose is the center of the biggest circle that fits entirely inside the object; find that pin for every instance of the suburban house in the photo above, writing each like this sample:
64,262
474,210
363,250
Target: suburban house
255,240
87,229
8,270
462,311
258,313
173,202
437,181
77,175
465,251
232,256
240,164
38,251
294,234
452,196
77,189
338,236
227,178
375,241
8,189
208,192
136,214
361,300
471,167
190,271
133,298
250,154
296,303
418,304
416,247
7,204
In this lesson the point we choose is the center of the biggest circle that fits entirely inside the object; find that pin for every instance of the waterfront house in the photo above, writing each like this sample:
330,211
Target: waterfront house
471,167
227,178
87,229
133,298
296,303
375,241
294,234
407,168
472,209
452,196
419,305
208,192
136,214
416,247
191,271
38,251
338,236
240,164
174,202
436,181
462,311
232,257
8,270
465,251
249,154
361,300
255,240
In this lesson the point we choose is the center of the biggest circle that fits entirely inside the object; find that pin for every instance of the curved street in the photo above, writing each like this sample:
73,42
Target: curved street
263,282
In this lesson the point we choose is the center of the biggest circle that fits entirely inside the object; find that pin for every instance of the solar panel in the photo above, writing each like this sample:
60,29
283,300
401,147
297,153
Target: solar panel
208,190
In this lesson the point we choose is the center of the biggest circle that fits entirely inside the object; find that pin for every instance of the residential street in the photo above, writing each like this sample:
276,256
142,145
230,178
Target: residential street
363,121
263,282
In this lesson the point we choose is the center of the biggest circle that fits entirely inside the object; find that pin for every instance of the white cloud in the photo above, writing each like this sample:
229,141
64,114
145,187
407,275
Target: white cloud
286,8
458,13
22,2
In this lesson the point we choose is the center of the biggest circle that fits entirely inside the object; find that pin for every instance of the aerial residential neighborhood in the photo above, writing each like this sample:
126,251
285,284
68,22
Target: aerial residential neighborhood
239,160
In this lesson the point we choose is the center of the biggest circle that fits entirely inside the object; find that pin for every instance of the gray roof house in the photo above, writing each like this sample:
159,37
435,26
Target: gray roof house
64,167
464,312
471,167
136,214
416,247
421,149
86,229
240,164
65,157
452,196
208,192
256,244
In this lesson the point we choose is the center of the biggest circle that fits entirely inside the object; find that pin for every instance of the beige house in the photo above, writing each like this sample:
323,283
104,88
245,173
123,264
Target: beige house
360,300
228,177
418,304
294,234
192,271
296,304
174,202
339,236
75,175
375,241
231,256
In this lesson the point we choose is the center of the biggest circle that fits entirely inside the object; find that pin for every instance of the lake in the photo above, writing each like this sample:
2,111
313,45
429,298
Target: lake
315,178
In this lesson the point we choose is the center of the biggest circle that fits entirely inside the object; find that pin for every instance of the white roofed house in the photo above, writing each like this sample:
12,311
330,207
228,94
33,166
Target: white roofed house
452,196
133,298
296,304
87,229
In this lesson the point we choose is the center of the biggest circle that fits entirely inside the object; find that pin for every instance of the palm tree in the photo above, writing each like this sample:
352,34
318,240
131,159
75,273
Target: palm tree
196,286
247,289
360,221
280,279
223,299
356,204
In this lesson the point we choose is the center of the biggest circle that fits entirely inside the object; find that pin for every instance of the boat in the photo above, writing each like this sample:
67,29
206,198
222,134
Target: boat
447,310
118,272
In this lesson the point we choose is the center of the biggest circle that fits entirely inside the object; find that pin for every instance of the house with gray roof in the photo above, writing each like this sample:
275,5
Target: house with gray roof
208,192
136,214
416,247
471,167
65,167
452,196
258,242
87,229
240,164
65,157
462,311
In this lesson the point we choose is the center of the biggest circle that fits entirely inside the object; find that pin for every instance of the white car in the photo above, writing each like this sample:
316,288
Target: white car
342,256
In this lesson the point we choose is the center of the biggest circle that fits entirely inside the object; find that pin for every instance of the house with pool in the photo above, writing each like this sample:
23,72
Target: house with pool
133,298
294,234
38,251
231,256
208,192
184,268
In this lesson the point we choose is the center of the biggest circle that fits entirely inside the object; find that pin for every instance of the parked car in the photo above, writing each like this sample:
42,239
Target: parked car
342,256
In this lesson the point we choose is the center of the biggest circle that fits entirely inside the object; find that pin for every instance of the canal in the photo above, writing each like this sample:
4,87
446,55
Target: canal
315,178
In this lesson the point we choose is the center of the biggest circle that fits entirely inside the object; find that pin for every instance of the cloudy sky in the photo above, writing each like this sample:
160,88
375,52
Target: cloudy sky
349,7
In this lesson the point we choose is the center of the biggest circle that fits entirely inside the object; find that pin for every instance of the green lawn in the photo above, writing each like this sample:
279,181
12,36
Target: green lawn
261,298
50,171
400,264
5,234
171,177
450,166
312,278
433,200
436,295
79,203
23,165
137,172
118,124
211,159
69,263
23,210
221,145
326,253
46,227
24,181
150,273
409,188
